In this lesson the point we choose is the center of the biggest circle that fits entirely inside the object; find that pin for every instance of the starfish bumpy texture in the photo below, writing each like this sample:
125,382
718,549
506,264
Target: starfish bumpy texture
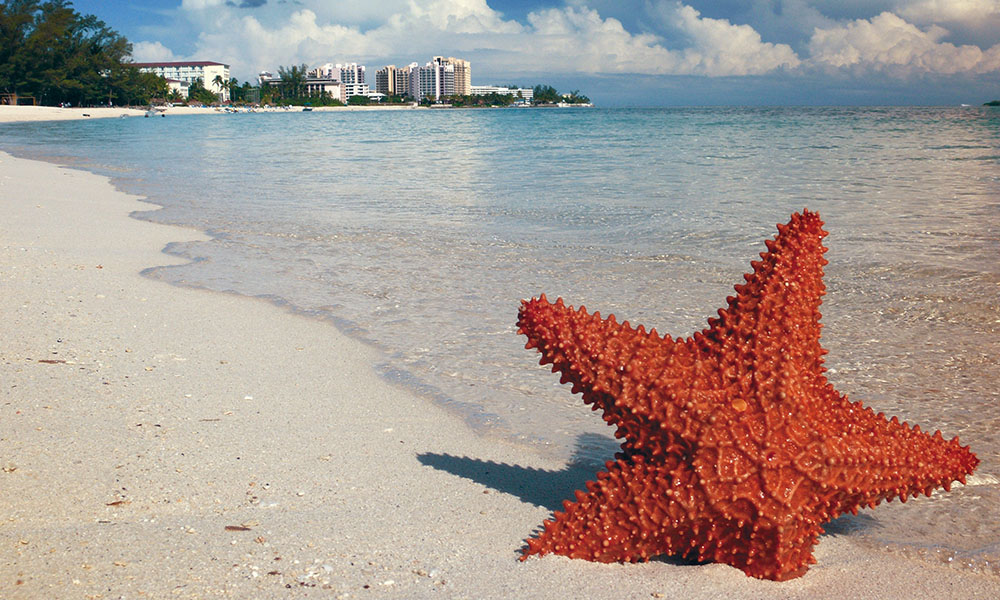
736,447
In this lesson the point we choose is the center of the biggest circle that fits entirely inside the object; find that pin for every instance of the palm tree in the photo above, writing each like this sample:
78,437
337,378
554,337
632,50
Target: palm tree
293,79
220,84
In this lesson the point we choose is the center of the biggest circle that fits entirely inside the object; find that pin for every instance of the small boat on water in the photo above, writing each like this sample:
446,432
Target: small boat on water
307,109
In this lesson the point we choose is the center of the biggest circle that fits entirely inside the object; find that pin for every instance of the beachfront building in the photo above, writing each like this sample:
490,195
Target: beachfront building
316,82
178,86
317,86
214,76
462,73
356,89
435,80
525,94
351,73
385,80
403,76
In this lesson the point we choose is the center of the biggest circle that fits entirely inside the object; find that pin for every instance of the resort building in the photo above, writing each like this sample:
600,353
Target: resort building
356,89
385,80
351,73
462,74
403,76
324,85
315,83
214,76
525,94
181,87
435,80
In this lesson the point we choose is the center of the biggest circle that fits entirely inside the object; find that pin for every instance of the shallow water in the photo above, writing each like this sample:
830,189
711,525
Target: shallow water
420,231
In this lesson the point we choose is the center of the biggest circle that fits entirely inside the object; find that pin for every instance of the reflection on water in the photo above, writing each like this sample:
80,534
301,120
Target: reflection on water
420,232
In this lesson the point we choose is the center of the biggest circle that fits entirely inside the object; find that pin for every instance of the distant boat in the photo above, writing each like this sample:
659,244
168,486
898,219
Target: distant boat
306,109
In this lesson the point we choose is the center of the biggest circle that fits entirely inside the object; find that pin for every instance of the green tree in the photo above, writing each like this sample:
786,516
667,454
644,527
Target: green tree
50,51
292,81
545,94
575,97
235,91
220,84
198,91
16,21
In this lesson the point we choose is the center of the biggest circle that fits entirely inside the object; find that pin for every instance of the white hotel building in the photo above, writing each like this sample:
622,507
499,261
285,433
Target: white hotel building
189,72
526,94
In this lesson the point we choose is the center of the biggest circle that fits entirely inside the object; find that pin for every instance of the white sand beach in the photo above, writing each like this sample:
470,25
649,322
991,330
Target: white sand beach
164,442
12,114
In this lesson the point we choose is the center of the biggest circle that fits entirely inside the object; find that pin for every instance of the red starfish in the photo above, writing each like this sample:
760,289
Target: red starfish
736,447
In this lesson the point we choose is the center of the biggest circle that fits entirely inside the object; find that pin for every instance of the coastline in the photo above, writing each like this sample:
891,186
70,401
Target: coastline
174,442
18,114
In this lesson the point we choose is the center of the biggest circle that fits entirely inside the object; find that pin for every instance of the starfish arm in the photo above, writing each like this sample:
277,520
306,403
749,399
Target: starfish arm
858,457
633,511
771,328
619,370
638,509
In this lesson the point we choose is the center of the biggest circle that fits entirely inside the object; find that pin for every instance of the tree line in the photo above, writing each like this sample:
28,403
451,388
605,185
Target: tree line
55,55
546,94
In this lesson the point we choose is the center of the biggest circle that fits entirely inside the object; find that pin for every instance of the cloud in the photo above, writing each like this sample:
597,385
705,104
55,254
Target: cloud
670,38
568,39
719,47
967,21
955,11
579,39
887,43
151,52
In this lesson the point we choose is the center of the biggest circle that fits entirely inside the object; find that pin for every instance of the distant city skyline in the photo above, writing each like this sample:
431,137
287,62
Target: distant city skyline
620,52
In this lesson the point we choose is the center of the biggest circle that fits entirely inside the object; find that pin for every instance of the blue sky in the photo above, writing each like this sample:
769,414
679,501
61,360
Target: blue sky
619,52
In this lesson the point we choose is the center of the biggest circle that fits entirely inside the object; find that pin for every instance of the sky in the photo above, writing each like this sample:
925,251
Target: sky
618,52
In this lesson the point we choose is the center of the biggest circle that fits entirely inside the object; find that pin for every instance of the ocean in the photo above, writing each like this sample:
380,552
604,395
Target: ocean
420,232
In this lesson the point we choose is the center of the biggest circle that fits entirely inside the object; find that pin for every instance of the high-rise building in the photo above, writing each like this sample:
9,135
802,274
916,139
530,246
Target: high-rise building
435,80
351,72
385,80
463,74
403,76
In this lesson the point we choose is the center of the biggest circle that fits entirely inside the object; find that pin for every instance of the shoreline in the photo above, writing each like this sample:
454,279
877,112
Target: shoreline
176,442
24,114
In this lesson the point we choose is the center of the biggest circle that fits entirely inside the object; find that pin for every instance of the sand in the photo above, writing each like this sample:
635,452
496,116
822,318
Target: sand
12,114
164,442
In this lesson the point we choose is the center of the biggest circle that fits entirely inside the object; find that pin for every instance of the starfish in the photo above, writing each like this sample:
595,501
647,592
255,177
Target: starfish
736,449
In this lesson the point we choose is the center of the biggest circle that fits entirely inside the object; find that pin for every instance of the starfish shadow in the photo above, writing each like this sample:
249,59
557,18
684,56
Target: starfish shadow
540,487
848,525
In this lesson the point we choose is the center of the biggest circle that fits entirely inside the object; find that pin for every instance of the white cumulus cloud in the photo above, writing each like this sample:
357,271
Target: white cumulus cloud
889,43
722,48
674,38
151,52
570,38
961,11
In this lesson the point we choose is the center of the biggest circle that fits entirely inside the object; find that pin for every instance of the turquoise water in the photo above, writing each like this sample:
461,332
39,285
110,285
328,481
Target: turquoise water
420,231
